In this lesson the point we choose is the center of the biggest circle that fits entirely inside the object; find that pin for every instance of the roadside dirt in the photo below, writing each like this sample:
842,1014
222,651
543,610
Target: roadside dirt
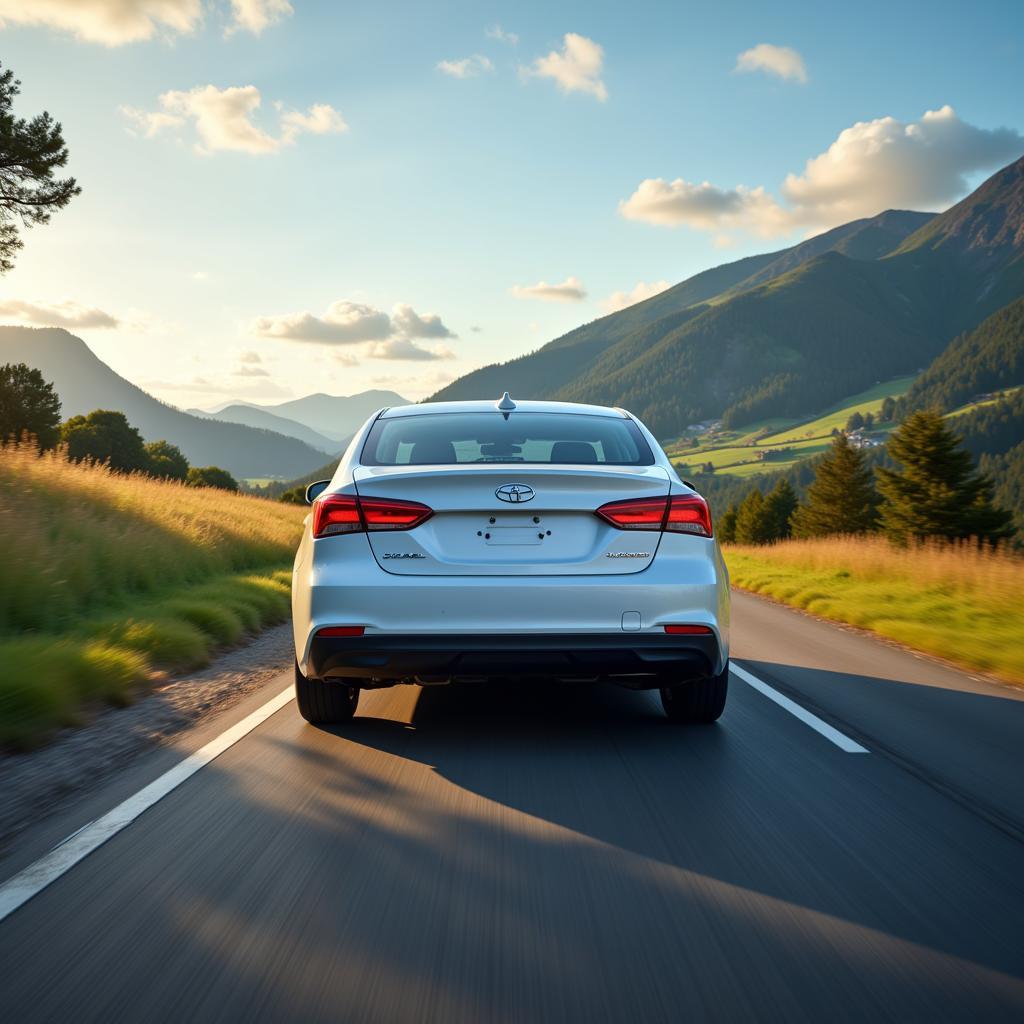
38,783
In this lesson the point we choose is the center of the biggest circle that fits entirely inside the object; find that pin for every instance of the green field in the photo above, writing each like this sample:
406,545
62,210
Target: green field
776,444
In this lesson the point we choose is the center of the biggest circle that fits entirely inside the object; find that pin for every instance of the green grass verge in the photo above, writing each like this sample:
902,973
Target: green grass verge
48,680
964,607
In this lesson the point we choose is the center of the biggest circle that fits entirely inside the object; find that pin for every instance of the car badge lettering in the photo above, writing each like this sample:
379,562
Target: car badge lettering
515,493
628,554
403,554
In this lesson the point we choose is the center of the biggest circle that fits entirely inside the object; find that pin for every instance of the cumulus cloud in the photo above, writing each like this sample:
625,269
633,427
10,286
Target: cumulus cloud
643,290
250,357
406,348
116,22
570,290
773,60
872,166
57,314
223,119
246,370
352,323
497,32
575,68
256,15
466,67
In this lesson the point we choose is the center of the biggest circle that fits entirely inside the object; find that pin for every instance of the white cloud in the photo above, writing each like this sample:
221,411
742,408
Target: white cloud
344,323
250,371
256,15
643,290
497,32
116,22
67,314
352,323
576,68
406,348
466,67
872,166
774,60
570,290
250,357
223,119
110,22
407,322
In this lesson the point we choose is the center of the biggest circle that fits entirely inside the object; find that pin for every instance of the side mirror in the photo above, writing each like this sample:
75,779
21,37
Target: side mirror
314,490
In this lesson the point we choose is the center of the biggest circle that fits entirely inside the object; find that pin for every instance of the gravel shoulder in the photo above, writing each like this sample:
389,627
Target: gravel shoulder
41,782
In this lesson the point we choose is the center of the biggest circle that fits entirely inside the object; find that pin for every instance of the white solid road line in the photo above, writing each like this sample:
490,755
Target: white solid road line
36,877
842,741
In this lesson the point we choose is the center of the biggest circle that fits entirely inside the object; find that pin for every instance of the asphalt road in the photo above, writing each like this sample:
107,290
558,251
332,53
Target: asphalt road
528,853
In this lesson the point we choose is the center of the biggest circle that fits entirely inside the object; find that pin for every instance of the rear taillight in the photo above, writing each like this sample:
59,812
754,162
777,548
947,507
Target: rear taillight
347,513
329,631
687,630
685,513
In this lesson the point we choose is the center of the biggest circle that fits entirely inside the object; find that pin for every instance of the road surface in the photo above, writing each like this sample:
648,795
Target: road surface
551,854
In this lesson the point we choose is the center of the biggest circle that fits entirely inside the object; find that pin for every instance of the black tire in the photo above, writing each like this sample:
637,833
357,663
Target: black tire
325,701
700,701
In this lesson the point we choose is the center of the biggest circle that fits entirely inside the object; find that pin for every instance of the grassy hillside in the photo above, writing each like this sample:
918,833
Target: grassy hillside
957,602
84,383
108,578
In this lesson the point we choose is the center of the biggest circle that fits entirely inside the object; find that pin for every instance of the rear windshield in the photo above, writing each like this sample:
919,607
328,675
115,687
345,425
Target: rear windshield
530,437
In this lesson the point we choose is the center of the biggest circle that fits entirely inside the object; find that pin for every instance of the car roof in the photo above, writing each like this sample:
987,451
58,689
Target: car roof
434,408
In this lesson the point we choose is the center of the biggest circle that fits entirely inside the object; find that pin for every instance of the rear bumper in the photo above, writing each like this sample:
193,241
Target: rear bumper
635,659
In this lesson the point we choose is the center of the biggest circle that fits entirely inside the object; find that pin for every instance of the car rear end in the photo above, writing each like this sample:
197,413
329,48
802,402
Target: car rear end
464,541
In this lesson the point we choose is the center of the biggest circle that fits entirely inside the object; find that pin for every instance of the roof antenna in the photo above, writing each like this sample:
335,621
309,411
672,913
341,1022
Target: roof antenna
506,404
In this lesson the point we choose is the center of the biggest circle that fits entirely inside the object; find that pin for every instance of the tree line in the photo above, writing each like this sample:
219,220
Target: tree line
931,489
30,407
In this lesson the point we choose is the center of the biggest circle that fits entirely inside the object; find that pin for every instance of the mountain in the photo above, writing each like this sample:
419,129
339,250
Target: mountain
788,333
84,383
989,358
256,416
543,373
334,416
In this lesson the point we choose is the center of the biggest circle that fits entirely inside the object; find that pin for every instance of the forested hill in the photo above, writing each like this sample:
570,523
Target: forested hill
786,333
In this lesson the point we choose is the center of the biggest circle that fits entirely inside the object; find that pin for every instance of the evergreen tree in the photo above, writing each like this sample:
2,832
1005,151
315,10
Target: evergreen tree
30,153
166,461
779,507
752,522
28,405
842,498
937,493
105,436
855,422
888,413
726,526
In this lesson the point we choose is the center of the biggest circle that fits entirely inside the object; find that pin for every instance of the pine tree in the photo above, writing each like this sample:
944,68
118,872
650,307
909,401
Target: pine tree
726,526
937,493
752,523
842,498
779,507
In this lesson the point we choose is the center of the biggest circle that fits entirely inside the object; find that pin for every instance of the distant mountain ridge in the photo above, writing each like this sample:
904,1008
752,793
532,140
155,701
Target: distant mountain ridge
787,333
84,382
257,416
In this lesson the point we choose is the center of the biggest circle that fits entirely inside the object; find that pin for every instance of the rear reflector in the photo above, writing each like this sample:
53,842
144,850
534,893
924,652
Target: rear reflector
684,513
688,630
341,631
347,513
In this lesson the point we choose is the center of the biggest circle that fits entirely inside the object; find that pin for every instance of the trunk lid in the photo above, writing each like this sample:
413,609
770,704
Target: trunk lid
473,532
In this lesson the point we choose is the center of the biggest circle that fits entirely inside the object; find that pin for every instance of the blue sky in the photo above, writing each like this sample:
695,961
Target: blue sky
305,251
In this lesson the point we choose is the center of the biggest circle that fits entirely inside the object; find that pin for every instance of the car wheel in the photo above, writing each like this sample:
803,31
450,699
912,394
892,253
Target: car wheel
698,701
325,701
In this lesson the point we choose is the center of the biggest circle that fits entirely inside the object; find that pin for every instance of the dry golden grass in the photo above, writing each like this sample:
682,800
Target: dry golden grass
106,577
952,600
